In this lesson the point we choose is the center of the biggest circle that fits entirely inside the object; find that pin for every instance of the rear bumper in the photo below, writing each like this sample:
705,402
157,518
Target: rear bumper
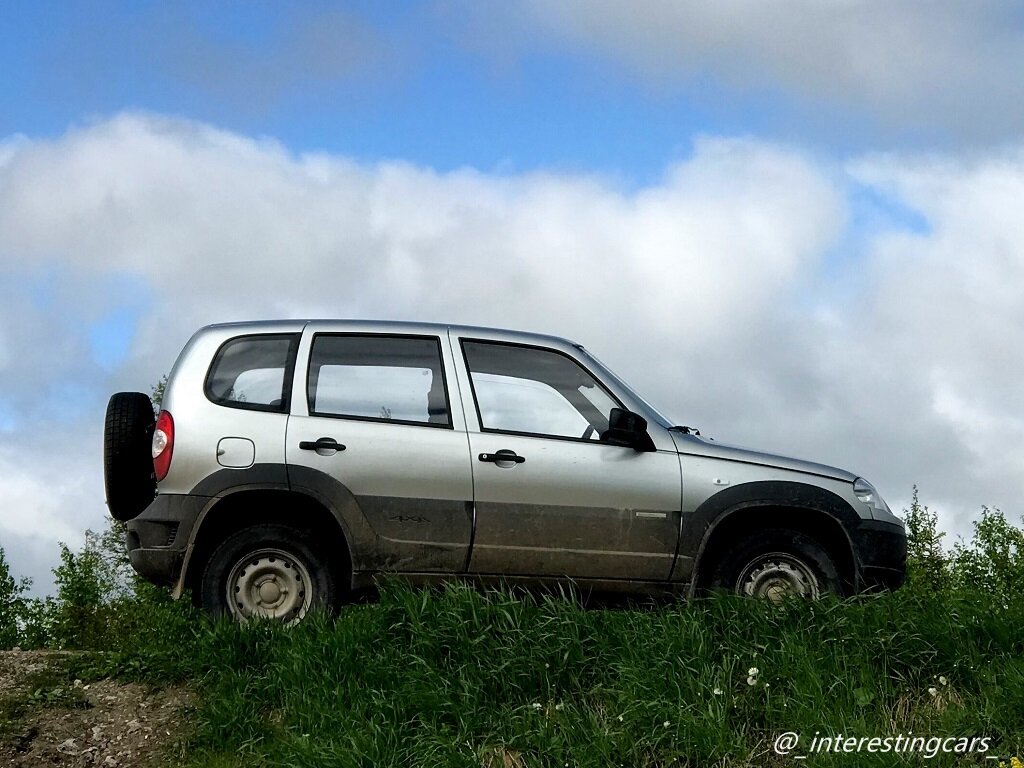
881,549
158,538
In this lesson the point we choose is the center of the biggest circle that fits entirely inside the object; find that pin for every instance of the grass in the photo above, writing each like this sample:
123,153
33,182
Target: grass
462,678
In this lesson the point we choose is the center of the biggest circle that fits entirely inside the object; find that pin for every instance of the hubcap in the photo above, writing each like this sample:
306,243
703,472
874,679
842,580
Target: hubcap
269,583
776,576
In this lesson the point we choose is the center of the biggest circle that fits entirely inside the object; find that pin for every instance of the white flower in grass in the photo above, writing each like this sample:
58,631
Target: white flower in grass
933,691
536,705
559,706
717,691
942,680
751,680
620,718
753,672
666,724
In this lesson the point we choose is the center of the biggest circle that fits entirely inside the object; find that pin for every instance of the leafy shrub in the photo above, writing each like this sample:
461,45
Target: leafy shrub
928,565
80,617
36,629
12,604
992,564
100,598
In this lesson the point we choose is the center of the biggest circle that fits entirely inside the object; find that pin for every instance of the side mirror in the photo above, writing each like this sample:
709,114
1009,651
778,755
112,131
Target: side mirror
627,429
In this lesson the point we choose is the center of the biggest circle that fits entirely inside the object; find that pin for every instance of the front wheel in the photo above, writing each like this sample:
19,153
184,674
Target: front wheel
267,571
776,564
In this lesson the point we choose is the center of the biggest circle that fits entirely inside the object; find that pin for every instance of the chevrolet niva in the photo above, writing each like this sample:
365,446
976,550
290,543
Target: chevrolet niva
292,462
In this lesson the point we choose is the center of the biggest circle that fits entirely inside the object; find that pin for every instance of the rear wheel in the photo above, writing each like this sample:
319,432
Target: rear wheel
775,564
267,571
127,454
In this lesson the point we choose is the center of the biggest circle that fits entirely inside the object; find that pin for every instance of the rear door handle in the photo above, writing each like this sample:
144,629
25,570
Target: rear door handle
503,455
323,444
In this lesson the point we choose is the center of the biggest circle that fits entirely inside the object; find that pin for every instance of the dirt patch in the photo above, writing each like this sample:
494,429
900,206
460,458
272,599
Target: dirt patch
52,721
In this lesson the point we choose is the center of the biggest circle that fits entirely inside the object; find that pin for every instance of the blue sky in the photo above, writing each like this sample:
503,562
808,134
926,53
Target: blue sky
431,82
807,212
415,91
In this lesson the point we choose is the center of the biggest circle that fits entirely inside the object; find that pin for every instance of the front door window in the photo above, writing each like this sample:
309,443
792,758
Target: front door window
532,391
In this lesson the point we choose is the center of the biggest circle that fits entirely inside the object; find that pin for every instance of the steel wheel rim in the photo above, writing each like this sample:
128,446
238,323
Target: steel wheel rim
269,584
776,576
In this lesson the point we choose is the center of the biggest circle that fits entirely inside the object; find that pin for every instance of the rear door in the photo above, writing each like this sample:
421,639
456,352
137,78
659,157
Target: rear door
551,498
373,432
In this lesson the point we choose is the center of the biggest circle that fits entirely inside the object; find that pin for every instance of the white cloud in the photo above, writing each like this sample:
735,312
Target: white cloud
924,66
39,492
712,290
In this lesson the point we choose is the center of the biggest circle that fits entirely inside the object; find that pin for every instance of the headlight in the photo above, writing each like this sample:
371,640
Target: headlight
866,492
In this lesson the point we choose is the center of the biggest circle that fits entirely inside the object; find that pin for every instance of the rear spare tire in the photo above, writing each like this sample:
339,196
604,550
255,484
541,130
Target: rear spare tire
127,454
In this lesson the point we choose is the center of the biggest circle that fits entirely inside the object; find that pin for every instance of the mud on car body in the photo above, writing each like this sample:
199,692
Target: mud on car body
293,461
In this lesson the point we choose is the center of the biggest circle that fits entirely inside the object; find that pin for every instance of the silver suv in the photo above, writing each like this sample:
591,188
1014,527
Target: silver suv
294,461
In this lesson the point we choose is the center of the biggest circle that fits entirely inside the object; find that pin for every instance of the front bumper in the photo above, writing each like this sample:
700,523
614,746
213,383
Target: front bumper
881,549
158,538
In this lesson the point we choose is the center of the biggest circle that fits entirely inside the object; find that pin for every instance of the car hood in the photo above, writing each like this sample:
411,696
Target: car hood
699,446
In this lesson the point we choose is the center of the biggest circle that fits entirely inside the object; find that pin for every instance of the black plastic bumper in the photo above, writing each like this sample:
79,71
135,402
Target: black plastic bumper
882,553
157,539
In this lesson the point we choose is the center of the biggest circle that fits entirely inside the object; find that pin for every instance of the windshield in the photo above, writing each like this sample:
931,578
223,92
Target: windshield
609,375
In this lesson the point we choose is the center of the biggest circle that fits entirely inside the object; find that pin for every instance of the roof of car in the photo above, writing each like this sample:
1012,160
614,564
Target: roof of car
393,326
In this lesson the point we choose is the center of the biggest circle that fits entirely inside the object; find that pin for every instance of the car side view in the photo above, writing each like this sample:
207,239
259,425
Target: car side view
292,462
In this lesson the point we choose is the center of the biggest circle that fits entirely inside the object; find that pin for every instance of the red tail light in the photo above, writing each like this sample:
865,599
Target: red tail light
163,444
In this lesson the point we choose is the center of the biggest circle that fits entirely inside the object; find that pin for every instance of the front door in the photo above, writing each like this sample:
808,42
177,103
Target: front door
551,498
378,440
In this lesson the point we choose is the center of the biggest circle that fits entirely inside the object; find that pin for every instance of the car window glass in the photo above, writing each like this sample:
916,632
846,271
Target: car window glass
521,405
258,385
382,378
601,400
252,372
536,391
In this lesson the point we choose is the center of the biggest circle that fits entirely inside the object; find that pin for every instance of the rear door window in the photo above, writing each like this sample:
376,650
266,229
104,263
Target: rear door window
379,378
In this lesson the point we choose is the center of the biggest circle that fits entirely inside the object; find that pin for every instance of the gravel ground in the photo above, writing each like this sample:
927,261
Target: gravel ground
103,723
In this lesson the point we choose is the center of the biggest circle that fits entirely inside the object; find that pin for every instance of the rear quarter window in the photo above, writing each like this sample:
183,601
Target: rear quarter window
253,372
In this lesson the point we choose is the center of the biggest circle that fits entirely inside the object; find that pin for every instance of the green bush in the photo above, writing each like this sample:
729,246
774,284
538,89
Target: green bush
12,604
37,623
101,603
99,596
992,563
928,564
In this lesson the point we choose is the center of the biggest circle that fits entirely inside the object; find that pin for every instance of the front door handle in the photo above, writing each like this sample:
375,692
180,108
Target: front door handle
323,444
501,456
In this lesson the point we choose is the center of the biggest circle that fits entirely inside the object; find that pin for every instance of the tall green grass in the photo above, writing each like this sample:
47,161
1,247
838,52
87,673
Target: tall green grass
459,677
464,678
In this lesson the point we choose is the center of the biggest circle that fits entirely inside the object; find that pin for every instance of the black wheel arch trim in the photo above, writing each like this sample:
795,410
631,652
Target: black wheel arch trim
225,482
315,485
699,526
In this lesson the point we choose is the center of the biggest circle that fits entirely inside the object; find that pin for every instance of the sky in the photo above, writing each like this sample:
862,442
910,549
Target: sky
796,225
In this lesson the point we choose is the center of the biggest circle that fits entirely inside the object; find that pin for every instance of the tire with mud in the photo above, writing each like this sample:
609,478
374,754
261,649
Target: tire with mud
268,571
775,564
